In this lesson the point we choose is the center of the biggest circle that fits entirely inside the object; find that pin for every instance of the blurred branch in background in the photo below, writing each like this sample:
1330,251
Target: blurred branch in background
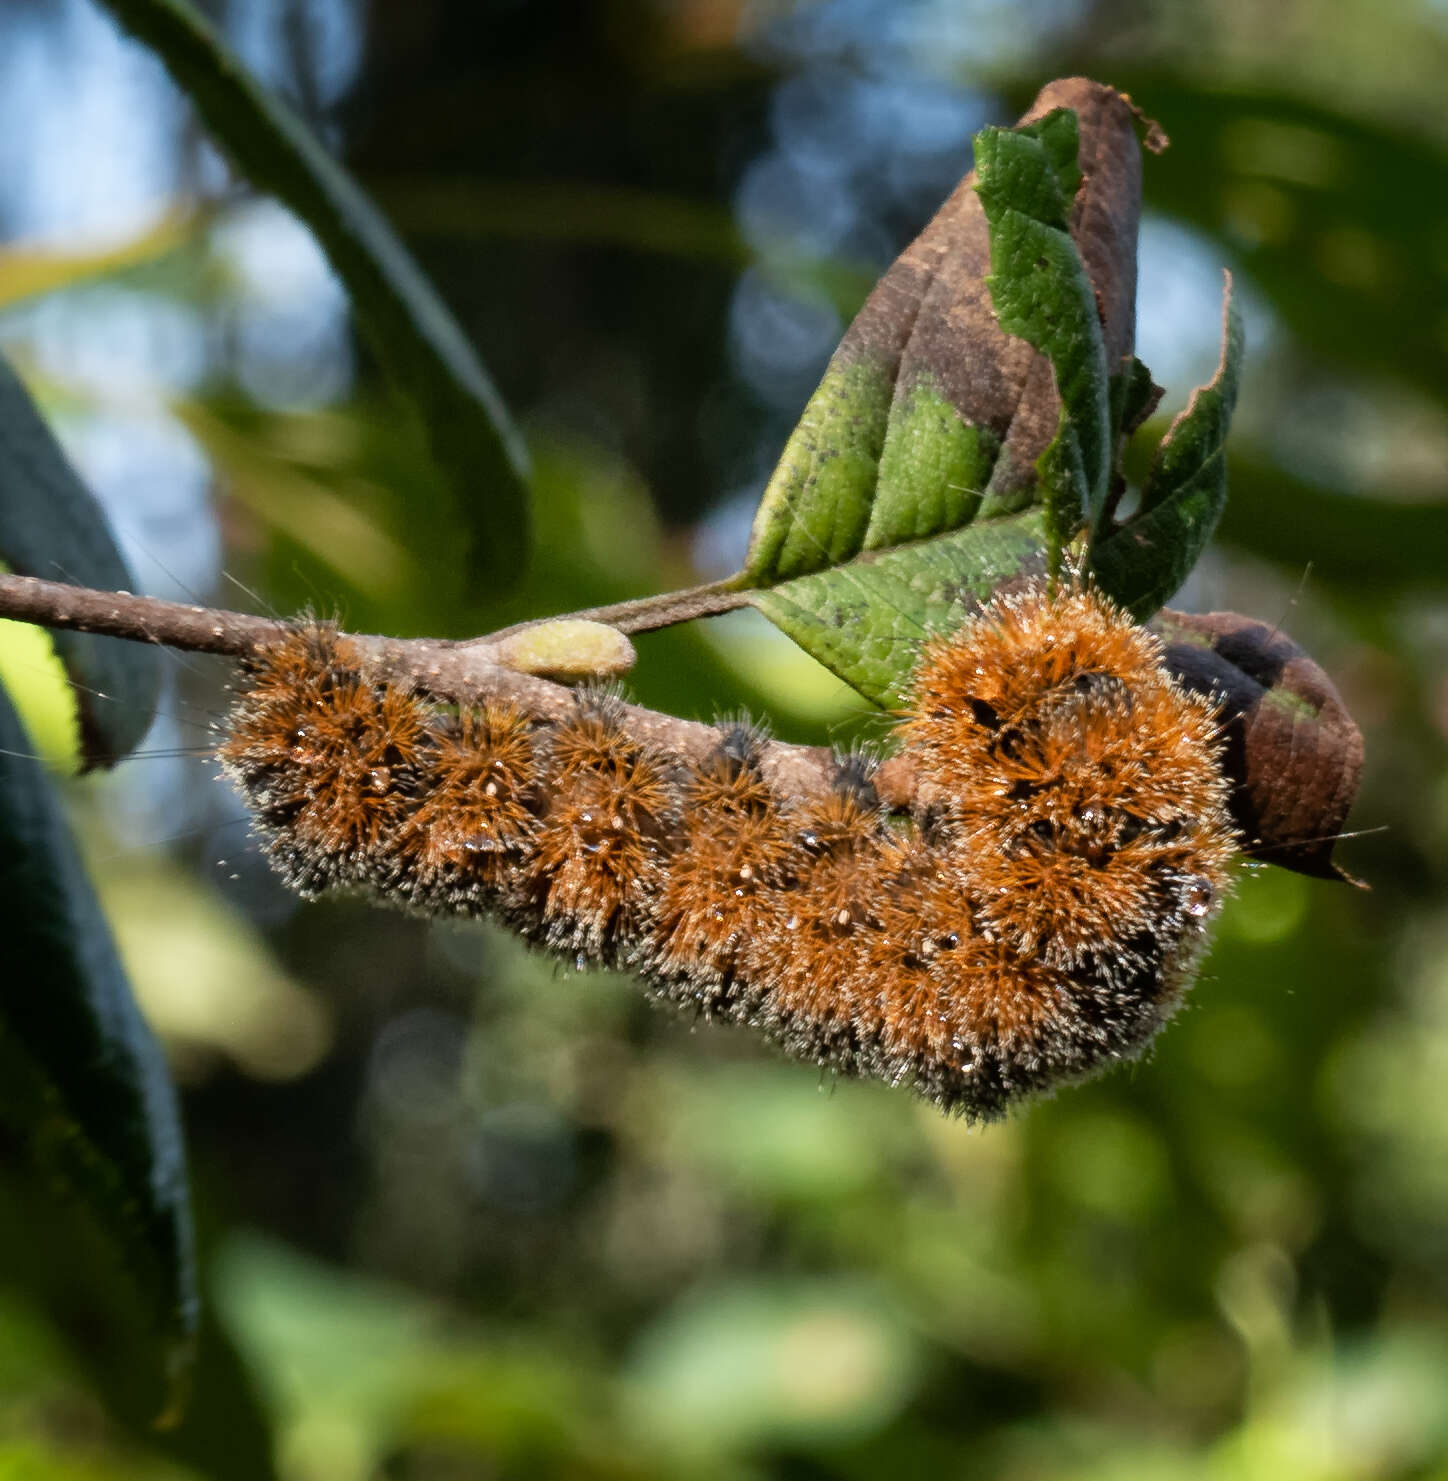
469,433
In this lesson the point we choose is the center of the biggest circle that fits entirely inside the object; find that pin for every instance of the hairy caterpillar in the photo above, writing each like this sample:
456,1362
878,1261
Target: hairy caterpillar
1036,916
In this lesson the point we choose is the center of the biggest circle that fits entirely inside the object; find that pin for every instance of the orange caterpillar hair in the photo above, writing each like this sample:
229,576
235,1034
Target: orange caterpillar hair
1035,917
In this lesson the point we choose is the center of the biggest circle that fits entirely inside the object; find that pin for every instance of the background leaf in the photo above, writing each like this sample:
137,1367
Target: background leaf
412,332
28,272
1358,543
84,1086
51,526
1326,210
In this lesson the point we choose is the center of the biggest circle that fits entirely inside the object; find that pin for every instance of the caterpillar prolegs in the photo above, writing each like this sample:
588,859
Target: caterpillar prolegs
1035,915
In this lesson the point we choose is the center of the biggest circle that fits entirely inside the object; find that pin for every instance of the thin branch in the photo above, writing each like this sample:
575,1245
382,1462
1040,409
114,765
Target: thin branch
454,673
119,614
648,614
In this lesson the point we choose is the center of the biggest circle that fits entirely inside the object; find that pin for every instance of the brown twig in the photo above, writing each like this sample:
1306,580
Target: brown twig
119,614
646,614
455,673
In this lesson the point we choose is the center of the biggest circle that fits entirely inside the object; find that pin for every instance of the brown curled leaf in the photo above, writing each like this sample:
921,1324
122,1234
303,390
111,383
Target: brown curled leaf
1294,753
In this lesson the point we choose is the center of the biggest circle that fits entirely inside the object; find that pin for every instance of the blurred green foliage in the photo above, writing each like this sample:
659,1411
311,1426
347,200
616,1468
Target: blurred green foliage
464,1215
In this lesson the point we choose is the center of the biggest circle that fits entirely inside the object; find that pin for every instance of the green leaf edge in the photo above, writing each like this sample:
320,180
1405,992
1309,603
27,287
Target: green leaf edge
1144,560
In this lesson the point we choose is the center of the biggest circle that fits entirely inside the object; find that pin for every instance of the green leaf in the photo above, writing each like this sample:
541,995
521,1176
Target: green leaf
932,413
1062,485
1134,396
51,526
83,1083
411,330
1030,171
816,507
933,469
300,506
865,620
30,272
732,1368
1144,560
1028,179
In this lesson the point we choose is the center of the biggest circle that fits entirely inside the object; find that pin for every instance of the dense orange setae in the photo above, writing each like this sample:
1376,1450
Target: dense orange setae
477,811
1035,917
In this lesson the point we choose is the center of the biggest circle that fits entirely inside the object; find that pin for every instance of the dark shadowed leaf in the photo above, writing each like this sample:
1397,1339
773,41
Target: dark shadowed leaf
63,1262
51,526
1362,544
932,416
1134,396
1142,561
1294,753
411,330
84,1088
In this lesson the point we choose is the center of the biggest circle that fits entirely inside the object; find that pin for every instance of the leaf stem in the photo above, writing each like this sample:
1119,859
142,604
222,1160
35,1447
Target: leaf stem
646,614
